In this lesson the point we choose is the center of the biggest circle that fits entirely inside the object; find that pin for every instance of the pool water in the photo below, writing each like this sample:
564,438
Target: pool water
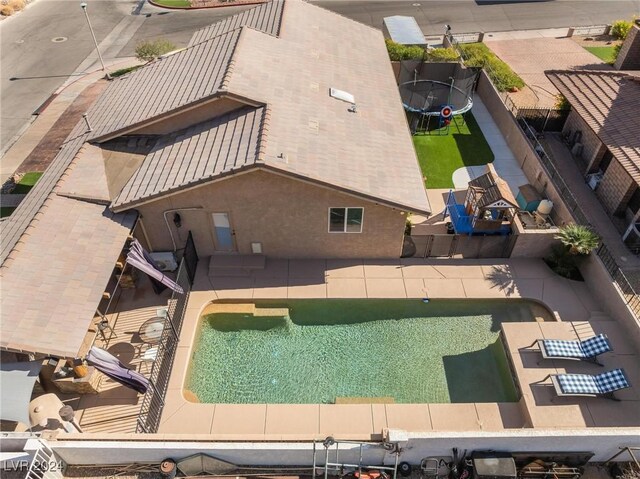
444,351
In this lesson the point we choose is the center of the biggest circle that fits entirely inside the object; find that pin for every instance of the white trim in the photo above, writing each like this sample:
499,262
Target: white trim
346,214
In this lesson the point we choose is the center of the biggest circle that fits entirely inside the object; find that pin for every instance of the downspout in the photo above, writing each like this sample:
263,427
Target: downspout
173,241
144,233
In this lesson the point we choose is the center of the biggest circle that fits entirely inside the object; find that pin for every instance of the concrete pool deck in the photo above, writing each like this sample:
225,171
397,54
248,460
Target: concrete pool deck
404,278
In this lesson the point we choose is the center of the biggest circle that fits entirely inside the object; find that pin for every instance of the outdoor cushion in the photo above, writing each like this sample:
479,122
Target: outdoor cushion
577,349
604,383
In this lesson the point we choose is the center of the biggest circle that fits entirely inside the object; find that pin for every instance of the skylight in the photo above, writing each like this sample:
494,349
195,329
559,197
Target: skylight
342,95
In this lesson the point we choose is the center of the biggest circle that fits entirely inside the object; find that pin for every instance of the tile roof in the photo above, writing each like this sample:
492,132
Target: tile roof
309,134
609,103
12,229
58,254
163,86
197,154
53,282
86,179
265,18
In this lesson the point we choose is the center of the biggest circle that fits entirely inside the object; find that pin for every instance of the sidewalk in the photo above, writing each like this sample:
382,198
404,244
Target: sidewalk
504,162
39,144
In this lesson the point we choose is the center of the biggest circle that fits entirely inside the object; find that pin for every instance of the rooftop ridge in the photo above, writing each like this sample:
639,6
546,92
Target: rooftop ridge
262,134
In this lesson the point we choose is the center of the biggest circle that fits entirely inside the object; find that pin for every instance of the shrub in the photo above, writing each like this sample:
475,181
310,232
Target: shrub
442,55
620,29
124,71
398,52
561,102
616,52
17,5
478,55
6,10
150,50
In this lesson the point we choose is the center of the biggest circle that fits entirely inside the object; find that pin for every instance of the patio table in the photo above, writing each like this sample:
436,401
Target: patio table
151,330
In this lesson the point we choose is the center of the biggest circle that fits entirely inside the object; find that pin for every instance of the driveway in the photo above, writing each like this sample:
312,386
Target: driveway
531,57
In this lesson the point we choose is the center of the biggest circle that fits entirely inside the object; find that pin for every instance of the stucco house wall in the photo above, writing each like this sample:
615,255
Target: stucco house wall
616,188
593,148
288,216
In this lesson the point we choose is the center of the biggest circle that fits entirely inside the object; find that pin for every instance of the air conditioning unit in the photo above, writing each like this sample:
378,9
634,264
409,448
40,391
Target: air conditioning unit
164,260
594,179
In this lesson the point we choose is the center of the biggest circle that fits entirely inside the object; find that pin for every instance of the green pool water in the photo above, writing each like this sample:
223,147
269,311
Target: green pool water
445,351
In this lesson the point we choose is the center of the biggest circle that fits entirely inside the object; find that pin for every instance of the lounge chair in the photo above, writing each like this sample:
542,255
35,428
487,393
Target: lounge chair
590,385
587,350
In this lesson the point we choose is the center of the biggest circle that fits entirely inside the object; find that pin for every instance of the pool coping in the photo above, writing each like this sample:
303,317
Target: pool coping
276,422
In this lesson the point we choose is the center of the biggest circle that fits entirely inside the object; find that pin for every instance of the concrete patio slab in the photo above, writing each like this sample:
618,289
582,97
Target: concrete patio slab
417,269
385,288
415,288
350,419
480,288
239,419
190,419
292,418
379,415
558,330
559,295
454,417
307,268
306,288
460,271
444,288
499,416
410,417
383,268
274,268
620,341
346,288
270,288
519,336
345,268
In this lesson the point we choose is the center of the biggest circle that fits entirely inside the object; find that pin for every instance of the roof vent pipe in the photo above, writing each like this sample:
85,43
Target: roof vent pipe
86,120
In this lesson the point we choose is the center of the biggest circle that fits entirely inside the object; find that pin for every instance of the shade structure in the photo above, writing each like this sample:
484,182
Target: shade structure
111,366
141,260
16,386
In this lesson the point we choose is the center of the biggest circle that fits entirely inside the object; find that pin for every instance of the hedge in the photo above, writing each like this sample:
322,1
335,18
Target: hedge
479,55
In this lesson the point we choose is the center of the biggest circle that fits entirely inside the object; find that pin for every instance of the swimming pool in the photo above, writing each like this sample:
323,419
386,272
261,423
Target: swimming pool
316,351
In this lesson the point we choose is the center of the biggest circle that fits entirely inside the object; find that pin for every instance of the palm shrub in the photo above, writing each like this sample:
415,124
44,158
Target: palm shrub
578,239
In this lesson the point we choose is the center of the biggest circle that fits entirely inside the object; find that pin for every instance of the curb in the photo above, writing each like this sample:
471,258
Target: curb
256,2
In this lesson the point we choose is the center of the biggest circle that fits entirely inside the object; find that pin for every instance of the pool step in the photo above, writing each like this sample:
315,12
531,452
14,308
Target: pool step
365,400
279,312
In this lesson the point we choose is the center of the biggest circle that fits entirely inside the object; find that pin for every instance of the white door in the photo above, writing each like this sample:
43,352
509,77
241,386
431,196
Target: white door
223,232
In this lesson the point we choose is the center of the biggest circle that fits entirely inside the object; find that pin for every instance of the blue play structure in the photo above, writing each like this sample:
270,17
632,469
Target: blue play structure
489,207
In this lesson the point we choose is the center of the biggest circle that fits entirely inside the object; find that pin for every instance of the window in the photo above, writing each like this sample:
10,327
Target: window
345,220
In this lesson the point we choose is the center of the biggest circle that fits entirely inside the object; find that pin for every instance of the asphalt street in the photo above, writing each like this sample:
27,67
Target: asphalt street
47,42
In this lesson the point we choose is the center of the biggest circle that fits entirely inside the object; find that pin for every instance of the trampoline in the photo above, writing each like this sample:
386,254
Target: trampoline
434,93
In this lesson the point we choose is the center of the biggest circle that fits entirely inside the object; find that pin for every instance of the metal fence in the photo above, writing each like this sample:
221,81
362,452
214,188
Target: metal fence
543,119
153,401
627,290
462,246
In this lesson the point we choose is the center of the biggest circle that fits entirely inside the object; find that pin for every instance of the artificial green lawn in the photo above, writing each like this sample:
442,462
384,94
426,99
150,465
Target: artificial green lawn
441,155
26,183
173,3
606,54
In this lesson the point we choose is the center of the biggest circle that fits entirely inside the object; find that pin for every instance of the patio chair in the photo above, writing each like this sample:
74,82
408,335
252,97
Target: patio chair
587,350
590,385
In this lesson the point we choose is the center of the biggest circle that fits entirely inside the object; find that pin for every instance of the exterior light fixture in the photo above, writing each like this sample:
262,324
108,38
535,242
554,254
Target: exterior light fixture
177,220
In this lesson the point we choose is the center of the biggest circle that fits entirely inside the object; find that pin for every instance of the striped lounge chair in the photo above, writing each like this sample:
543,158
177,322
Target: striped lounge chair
587,350
590,385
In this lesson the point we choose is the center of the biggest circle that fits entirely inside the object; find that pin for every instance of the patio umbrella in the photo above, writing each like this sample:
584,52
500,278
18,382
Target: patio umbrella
139,258
111,367
16,386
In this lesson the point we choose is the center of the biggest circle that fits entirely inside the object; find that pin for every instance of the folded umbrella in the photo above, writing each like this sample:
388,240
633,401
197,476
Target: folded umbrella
111,367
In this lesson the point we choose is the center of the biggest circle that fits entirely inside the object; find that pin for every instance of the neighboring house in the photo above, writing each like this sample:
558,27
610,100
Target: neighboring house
255,154
603,130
